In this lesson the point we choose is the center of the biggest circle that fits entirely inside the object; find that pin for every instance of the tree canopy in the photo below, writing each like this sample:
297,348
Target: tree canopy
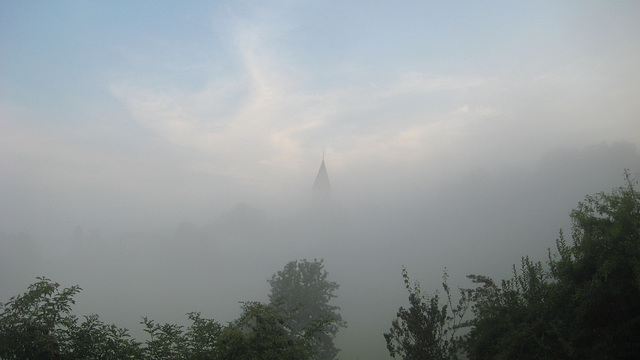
303,290
582,303
426,329
39,324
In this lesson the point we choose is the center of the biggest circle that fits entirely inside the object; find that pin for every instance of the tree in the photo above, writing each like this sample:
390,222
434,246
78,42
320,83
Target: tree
426,330
262,333
302,289
93,339
513,318
202,338
32,324
39,325
598,275
199,341
166,341
585,304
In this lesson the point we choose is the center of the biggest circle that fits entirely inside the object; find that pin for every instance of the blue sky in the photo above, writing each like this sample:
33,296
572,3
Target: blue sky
236,101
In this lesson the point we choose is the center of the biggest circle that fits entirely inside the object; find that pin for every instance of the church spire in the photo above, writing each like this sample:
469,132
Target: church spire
322,186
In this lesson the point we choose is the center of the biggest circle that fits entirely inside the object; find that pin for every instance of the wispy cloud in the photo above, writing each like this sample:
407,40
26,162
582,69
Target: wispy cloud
270,121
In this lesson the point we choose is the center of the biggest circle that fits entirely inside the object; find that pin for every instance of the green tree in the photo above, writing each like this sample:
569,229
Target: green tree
426,329
202,338
584,305
166,341
513,318
199,341
262,333
93,339
39,325
303,290
598,275
32,325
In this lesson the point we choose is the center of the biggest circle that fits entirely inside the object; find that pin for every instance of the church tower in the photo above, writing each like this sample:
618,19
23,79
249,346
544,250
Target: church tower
322,186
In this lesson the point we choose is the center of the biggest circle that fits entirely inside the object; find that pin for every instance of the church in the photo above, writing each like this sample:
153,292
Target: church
322,186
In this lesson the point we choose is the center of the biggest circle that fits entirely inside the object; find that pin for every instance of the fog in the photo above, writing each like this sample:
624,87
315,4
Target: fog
163,157
480,222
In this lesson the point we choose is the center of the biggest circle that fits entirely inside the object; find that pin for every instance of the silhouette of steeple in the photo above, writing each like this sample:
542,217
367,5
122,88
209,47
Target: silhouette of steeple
322,186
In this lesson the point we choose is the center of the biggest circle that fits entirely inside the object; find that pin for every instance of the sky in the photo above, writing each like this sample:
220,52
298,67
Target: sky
470,122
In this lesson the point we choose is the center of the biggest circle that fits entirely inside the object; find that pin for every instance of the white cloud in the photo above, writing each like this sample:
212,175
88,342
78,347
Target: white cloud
266,123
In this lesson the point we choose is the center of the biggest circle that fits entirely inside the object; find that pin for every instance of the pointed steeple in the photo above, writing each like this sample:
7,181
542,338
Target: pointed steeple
322,186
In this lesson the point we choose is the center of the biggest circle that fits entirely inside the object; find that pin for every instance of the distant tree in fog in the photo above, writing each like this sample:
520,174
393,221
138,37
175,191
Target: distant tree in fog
302,289
263,333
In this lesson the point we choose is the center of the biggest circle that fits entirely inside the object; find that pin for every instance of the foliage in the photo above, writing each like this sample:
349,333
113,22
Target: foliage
303,291
584,305
32,324
426,330
512,318
169,341
93,339
261,333
39,325
201,338
165,340
599,275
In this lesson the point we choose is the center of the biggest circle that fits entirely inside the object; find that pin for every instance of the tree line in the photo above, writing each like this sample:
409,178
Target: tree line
298,322
583,302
